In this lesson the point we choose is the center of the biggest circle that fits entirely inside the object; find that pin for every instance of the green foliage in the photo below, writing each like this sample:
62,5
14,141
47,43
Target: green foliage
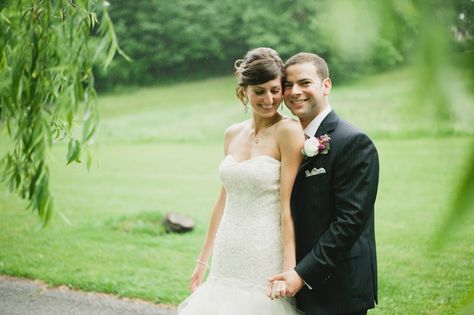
197,38
172,41
47,88
432,61
463,27
463,30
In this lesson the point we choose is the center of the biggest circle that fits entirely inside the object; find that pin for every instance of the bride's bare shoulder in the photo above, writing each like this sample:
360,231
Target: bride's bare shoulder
235,129
289,125
232,131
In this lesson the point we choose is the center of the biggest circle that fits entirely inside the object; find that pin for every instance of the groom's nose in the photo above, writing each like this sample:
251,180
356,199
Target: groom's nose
295,89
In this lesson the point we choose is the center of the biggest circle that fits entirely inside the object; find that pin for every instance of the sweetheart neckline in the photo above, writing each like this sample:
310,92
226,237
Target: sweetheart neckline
253,158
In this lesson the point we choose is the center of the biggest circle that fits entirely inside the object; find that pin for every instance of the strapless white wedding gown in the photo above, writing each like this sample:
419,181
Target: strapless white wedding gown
248,246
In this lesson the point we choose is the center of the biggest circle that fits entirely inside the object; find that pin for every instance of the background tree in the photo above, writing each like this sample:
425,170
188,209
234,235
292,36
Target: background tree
47,90
171,41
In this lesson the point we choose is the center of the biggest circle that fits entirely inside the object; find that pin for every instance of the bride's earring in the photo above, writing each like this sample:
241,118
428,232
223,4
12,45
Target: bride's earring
245,101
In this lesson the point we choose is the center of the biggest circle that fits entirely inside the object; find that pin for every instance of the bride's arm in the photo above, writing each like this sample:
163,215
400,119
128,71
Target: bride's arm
206,250
290,142
217,211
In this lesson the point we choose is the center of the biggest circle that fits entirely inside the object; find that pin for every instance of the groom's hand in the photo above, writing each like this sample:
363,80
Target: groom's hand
292,279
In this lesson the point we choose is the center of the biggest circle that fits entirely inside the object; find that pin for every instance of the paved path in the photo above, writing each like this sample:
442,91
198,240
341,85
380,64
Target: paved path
27,297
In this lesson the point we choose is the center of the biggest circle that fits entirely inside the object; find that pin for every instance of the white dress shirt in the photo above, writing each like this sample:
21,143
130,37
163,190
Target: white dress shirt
313,126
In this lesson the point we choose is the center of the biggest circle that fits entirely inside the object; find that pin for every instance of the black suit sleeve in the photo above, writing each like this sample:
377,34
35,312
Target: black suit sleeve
356,169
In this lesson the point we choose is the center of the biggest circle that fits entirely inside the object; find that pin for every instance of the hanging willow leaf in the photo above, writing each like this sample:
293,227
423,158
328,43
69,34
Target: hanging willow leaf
90,125
46,83
73,151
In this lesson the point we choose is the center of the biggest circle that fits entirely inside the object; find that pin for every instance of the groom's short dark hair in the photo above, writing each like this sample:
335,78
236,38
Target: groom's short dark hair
304,57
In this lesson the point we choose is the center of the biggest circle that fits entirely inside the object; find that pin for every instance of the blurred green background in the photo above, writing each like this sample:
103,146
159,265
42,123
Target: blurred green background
402,72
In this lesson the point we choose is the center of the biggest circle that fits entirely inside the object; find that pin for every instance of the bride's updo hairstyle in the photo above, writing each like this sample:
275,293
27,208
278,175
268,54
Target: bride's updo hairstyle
259,65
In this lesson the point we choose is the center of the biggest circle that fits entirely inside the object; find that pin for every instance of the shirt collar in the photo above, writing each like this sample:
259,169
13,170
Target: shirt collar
313,126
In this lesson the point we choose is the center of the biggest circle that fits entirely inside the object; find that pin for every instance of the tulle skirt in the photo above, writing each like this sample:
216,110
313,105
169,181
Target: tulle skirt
234,298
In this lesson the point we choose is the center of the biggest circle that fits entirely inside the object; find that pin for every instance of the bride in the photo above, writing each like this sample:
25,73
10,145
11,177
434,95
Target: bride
251,235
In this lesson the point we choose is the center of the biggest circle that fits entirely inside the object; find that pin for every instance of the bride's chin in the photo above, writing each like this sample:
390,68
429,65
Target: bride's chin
271,110
268,114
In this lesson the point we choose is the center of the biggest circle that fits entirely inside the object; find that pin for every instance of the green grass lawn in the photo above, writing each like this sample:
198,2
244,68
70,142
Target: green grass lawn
158,151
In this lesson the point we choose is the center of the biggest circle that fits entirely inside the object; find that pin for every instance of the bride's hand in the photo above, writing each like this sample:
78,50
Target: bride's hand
196,277
276,289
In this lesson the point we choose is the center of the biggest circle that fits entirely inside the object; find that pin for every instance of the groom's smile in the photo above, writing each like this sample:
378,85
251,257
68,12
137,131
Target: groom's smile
298,102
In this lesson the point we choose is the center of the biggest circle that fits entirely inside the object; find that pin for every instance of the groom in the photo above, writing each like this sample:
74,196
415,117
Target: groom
332,202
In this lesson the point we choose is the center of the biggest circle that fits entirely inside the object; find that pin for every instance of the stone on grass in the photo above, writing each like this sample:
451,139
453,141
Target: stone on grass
178,223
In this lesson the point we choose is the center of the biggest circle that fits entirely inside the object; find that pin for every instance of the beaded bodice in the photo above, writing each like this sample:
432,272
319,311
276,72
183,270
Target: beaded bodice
248,241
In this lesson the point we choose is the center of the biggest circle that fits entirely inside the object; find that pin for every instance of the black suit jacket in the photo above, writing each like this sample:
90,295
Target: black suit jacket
333,213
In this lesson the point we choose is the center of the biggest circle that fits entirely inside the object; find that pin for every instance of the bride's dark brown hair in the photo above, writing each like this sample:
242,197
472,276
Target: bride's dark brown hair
258,66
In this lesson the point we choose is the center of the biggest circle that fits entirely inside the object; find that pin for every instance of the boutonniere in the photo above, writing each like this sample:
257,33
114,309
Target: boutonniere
314,146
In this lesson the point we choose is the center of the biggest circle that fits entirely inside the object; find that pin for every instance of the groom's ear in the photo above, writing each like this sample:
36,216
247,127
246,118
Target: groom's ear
327,85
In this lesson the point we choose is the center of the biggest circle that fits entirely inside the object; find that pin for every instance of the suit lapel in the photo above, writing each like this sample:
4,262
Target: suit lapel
328,125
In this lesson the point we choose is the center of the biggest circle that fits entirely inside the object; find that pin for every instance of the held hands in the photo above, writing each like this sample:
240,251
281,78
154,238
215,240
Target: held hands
284,284
276,289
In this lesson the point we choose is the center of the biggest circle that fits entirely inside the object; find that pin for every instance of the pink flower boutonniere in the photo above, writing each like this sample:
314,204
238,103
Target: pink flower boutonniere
314,146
